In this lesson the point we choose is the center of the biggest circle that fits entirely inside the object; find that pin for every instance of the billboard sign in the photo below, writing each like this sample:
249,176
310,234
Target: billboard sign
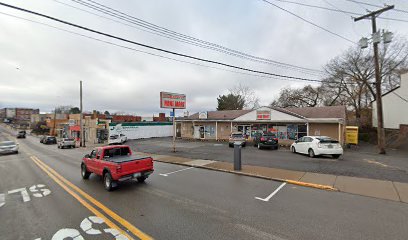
263,115
172,100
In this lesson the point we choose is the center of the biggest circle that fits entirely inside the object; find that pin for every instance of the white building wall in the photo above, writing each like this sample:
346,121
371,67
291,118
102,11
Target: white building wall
275,116
395,109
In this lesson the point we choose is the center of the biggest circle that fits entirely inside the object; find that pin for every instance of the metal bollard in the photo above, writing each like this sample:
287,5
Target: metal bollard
237,156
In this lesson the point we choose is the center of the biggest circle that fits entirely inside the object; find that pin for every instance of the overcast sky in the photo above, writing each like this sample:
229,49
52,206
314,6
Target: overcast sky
41,67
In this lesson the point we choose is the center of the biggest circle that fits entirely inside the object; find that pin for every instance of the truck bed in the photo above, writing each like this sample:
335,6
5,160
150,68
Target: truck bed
133,157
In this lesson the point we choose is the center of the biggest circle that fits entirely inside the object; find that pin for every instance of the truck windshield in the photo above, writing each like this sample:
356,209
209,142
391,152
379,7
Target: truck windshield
116,152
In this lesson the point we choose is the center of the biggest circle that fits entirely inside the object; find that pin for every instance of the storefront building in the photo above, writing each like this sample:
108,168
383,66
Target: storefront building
287,124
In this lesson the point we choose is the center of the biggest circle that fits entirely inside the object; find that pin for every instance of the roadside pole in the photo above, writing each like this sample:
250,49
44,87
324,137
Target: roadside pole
81,130
55,121
174,130
380,120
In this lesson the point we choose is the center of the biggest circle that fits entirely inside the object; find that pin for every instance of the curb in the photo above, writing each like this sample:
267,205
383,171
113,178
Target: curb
303,184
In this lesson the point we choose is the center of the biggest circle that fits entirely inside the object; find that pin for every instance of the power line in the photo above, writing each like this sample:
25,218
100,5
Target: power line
149,53
156,48
402,98
310,22
375,5
336,9
164,32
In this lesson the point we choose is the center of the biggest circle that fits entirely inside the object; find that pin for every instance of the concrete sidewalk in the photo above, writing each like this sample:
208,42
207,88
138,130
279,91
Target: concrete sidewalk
388,190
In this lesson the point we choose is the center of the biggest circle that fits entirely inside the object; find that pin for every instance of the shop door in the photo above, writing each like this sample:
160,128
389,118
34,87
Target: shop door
196,134
202,132
178,130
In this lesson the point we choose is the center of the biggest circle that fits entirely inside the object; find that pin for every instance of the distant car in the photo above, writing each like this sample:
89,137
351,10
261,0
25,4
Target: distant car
8,147
50,140
42,138
66,143
117,139
21,134
237,137
266,140
317,145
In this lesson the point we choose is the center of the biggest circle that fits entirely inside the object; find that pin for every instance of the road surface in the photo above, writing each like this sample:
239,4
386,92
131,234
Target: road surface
44,197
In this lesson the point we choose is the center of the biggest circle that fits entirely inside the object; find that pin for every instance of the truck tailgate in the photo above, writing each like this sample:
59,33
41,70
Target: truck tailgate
136,165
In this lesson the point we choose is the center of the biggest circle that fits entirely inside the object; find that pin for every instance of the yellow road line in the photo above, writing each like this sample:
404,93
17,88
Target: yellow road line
112,214
81,200
312,185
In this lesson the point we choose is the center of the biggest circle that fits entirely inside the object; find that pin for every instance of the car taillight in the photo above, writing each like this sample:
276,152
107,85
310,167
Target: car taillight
275,139
118,169
262,139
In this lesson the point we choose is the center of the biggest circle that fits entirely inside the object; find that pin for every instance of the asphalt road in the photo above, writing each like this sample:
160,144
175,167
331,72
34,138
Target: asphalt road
188,204
354,163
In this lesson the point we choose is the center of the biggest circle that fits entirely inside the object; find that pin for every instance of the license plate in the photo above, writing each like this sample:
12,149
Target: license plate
270,140
330,146
135,175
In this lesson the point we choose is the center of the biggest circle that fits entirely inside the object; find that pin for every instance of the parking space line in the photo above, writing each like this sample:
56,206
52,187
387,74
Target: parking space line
272,194
167,174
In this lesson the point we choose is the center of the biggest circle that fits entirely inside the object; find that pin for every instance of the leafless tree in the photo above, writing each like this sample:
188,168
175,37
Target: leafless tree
246,93
307,96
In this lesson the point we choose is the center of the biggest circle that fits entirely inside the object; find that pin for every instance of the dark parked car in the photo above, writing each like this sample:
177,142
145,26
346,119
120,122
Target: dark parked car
21,134
50,140
266,140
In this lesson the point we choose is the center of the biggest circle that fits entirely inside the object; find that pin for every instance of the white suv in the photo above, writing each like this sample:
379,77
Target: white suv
117,139
317,145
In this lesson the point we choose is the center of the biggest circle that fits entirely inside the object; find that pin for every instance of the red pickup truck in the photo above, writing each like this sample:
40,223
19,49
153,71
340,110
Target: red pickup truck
116,164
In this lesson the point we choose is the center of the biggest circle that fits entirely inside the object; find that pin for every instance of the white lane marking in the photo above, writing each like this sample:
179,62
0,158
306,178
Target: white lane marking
24,193
2,199
86,225
167,174
67,233
272,194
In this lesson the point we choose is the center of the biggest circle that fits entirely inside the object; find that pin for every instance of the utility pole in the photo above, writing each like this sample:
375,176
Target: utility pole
81,129
55,121
380,119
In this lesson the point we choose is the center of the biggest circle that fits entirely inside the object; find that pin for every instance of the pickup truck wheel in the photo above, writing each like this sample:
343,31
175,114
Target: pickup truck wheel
141,179
108,182
84,172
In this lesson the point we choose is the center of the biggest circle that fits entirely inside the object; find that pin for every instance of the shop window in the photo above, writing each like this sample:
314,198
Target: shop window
281,132
292,132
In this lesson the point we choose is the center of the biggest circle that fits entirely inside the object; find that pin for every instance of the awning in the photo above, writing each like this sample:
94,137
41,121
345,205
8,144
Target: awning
75,128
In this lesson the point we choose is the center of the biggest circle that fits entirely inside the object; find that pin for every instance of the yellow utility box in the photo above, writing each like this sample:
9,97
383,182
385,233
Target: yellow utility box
352,135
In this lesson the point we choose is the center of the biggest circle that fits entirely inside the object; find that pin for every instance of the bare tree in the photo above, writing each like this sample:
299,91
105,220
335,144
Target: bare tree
308,96
351,75
247,94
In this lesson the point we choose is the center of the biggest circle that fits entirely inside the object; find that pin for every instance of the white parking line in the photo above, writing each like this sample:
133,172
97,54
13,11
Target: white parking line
166,174
272,194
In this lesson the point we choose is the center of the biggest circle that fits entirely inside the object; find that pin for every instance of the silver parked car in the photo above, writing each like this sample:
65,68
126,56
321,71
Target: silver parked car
66,143
8,147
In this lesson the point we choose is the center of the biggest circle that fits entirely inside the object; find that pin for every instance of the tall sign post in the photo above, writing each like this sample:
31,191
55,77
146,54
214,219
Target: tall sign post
173,101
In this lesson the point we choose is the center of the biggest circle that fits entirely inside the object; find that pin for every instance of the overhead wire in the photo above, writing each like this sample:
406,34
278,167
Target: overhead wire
185,38
375,5
159,49
336,9
310,22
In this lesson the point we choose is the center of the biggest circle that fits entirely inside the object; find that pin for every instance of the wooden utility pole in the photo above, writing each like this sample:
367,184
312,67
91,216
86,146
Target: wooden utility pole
81,129
55,121
378,98
174,130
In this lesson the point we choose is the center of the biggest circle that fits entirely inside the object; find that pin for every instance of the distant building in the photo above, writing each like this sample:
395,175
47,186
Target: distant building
395,105
18,115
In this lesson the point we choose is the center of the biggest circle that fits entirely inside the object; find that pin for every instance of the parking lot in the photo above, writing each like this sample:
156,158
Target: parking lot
362,162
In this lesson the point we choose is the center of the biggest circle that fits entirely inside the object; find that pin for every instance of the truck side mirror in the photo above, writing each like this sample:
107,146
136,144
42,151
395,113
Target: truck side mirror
86,156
